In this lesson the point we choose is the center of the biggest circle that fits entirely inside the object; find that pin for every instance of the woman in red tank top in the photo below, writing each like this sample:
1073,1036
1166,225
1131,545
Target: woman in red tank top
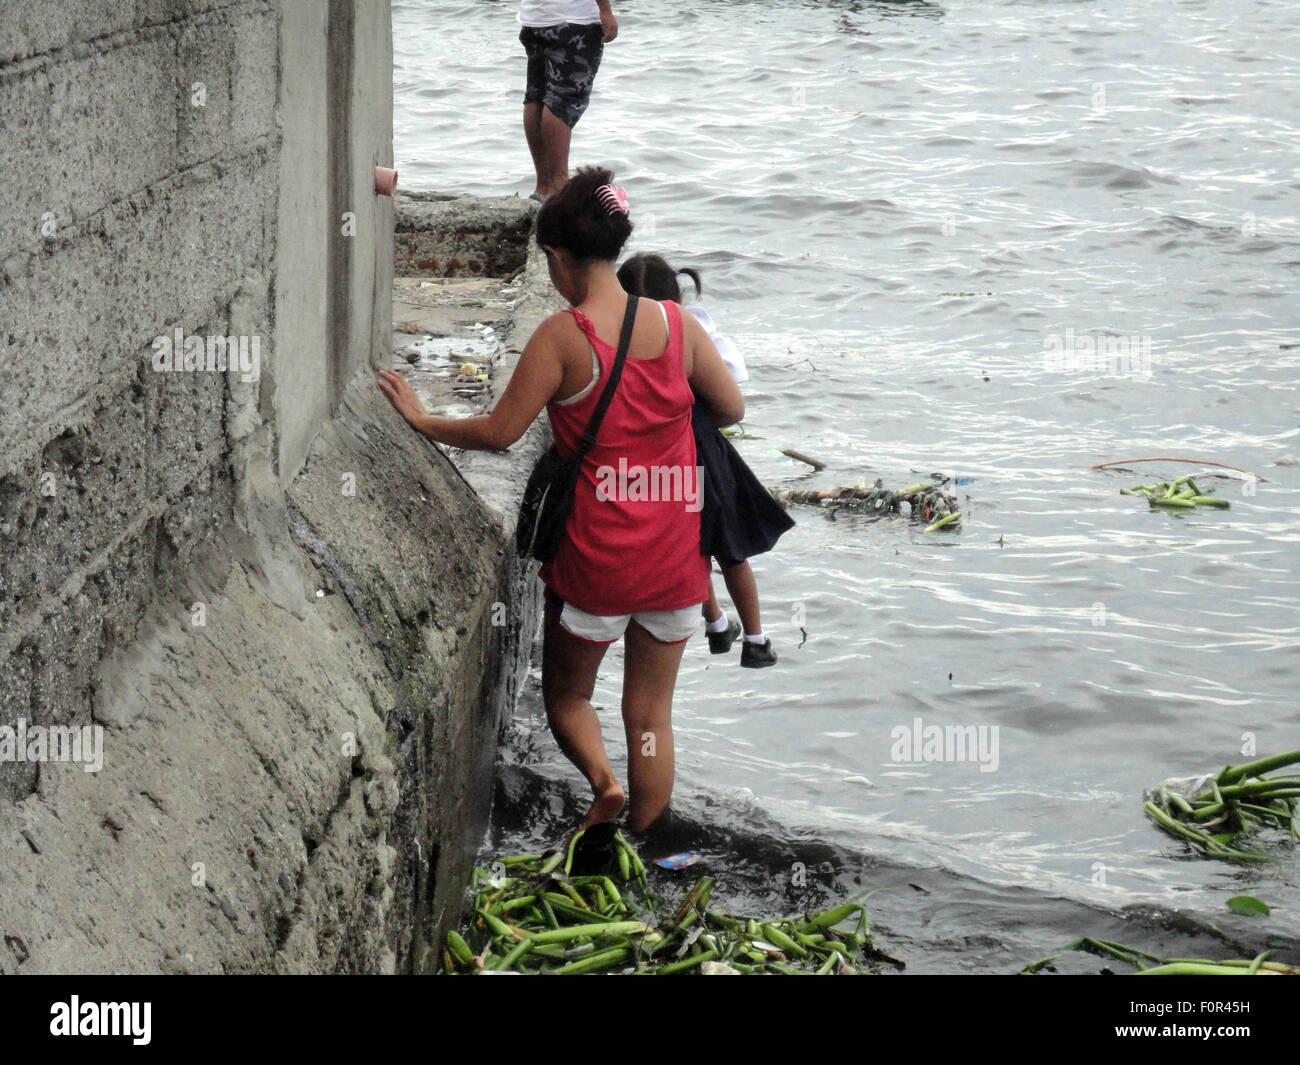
644,458
630,563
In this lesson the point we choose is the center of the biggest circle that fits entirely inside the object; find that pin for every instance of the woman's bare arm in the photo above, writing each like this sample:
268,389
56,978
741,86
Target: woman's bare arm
712,381
535,380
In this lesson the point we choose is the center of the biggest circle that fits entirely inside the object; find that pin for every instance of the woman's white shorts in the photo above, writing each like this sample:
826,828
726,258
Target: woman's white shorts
666,626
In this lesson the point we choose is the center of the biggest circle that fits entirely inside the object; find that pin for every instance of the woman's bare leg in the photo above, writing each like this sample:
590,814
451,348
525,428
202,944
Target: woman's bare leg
569,668
744,594
649,677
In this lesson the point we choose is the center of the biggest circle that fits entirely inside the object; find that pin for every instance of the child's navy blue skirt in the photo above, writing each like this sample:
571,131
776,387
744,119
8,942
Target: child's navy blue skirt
739,518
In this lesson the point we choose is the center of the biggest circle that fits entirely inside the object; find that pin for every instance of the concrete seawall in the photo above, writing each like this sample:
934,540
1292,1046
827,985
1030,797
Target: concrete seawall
281,606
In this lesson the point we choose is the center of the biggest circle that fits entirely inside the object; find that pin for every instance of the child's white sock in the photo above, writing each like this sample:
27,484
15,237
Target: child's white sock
717,626
760,639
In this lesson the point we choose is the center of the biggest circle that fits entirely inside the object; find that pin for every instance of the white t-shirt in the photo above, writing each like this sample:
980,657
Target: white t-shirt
726,346
538,13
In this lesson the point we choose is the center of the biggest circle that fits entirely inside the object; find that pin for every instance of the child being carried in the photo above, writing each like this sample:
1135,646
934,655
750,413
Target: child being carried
739,519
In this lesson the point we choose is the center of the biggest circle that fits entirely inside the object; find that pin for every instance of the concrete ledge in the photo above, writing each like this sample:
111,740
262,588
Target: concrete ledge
462,236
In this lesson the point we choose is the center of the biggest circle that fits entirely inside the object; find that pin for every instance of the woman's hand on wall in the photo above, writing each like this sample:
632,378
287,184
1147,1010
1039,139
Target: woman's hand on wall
402,396
536,377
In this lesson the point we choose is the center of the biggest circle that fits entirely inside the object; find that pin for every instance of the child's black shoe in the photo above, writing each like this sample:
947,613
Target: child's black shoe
720,642
757,655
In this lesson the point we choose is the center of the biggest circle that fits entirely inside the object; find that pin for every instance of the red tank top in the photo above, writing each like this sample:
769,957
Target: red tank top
632,540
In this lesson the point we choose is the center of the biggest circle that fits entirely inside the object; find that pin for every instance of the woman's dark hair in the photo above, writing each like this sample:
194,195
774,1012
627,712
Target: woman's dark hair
652,277
575,219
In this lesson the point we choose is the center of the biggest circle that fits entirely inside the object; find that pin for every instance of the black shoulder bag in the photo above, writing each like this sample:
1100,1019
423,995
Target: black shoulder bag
548,499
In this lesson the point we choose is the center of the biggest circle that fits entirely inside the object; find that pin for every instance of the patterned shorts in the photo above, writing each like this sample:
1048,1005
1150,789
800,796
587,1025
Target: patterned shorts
562,65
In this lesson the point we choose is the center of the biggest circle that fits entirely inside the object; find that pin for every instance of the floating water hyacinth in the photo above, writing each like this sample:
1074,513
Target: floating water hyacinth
543,918
1211,811
1181,494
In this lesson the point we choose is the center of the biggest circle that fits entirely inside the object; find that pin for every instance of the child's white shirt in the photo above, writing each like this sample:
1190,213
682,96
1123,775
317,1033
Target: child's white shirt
726,346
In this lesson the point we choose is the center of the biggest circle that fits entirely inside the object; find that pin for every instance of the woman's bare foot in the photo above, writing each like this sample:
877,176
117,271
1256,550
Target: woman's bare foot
607,805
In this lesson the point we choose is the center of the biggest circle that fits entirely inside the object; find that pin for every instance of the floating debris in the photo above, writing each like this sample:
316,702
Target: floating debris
799,456
679,861
1182,493
923,502
1211,811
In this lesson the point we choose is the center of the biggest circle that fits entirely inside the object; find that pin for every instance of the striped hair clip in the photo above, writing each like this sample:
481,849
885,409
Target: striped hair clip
613,199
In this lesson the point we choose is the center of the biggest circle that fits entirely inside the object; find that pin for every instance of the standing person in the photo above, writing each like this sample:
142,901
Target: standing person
629,566
565,40
740,518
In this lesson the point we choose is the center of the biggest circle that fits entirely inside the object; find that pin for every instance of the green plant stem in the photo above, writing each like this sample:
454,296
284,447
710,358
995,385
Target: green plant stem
1234,773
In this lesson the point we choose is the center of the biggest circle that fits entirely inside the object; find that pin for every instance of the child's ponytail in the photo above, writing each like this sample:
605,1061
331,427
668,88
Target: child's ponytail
694,275
651,276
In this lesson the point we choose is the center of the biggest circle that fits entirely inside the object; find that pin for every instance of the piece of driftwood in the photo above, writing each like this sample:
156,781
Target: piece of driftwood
799,456
1165,458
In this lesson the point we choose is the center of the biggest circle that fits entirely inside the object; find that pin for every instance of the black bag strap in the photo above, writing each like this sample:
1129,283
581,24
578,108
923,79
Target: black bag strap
624,342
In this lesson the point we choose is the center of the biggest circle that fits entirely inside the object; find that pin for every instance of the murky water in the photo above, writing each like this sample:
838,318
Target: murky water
904,212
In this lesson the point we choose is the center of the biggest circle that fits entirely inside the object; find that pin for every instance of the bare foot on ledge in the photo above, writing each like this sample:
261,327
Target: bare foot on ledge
607,805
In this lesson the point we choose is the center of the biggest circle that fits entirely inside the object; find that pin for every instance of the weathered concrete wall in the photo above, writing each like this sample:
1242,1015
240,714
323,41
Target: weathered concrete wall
303,250
275,600
127,213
